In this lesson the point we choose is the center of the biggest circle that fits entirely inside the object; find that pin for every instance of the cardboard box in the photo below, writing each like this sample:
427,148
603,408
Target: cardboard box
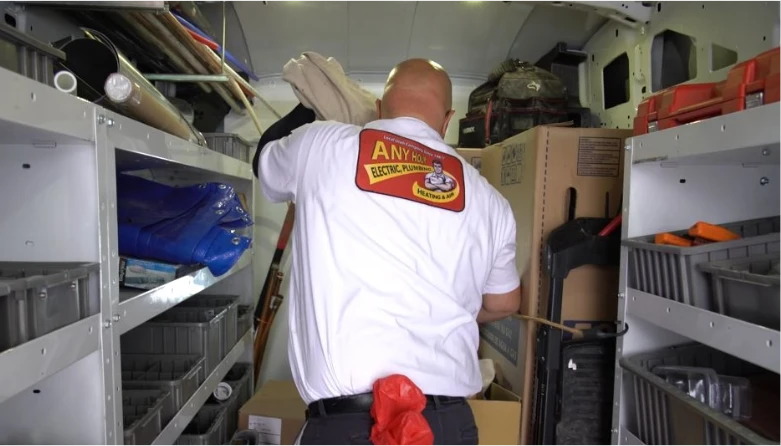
535,171
149,274
276,411
498,417
472,156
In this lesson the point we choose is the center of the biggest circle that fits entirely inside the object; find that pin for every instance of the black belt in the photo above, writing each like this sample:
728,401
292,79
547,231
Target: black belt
363,403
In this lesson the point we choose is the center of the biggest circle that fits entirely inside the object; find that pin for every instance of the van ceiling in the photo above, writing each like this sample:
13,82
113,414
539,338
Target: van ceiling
468,38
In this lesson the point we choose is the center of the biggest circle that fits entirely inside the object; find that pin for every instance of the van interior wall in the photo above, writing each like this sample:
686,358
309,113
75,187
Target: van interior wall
269,216
684,42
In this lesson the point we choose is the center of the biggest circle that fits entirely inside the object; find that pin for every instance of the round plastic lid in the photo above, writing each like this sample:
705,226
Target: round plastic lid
118,87
223,391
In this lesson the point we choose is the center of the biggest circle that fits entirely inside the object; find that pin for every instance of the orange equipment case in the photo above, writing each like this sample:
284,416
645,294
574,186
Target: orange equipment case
749,84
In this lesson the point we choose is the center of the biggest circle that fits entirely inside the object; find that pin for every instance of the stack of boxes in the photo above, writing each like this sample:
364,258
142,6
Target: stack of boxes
549,174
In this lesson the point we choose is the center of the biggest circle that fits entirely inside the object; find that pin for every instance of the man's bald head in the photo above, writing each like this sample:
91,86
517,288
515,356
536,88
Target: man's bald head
421,89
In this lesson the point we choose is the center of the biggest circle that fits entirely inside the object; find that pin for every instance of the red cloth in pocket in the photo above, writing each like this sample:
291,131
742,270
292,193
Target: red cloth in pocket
397,412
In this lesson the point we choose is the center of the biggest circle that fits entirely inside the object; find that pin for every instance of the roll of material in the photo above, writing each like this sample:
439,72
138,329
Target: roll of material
184,108
109,79
136,101
66,82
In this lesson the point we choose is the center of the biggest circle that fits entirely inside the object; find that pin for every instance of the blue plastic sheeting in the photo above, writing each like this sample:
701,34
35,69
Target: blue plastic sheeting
193,225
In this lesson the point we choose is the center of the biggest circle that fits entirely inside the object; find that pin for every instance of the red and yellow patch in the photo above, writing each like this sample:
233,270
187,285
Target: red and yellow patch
392,165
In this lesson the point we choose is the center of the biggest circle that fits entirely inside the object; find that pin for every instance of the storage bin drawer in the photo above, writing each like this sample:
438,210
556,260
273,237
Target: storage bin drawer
671,272
180,331
666,415
244,320
229,144
747,289
38,298
181,375
231,306
238,379
206,428
143,412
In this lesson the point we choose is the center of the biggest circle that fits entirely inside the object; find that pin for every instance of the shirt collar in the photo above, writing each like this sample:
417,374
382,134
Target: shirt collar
407,126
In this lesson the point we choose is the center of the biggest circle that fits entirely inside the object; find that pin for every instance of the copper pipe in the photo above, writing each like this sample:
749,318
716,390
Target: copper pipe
168,21
248,88
142,30
262,332
234,88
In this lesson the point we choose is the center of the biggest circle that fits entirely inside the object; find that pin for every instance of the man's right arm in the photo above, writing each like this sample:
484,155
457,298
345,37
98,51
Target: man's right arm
500,306
502,291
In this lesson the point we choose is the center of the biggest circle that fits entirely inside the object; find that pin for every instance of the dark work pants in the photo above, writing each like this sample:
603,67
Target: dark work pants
451,423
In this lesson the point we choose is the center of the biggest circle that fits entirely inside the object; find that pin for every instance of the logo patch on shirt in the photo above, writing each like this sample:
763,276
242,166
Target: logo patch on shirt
392,165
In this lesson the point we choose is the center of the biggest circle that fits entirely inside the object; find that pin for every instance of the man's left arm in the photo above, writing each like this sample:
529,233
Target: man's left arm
297,117
279,165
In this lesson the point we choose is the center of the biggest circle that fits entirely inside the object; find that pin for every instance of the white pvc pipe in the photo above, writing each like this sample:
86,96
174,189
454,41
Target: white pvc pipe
65,81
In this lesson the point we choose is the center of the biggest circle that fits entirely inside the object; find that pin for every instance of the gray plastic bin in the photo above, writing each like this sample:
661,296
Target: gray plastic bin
244,320
743,289
231,306
665,415
38,298
143,414
181,375
229,144
671,272
238,380
206,428
180,331
23,54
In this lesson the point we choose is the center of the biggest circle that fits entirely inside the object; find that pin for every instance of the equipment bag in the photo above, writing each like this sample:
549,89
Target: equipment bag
516,97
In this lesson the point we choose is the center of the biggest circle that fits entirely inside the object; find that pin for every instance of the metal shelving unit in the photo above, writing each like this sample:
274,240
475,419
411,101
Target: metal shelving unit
721,170
136,307
58,160
176,426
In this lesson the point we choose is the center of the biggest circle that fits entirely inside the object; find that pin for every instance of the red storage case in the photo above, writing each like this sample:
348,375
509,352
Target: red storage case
749,84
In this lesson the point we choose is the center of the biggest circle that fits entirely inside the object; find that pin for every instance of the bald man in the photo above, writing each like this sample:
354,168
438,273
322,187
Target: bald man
400,249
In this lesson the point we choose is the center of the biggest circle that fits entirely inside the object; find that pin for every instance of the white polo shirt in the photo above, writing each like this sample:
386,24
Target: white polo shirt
388,266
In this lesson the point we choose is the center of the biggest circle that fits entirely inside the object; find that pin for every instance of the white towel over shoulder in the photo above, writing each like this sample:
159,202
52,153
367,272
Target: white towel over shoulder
321,85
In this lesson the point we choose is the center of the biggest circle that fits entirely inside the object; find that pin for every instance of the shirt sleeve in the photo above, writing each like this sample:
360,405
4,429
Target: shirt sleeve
279,166
298,117
504,276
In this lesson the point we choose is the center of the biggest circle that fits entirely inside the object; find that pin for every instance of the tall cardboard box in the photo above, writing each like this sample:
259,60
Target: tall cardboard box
497,416
472,156
537,171
277,412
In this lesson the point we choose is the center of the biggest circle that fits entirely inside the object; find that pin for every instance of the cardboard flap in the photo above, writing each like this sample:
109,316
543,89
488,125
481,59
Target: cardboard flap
498,422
